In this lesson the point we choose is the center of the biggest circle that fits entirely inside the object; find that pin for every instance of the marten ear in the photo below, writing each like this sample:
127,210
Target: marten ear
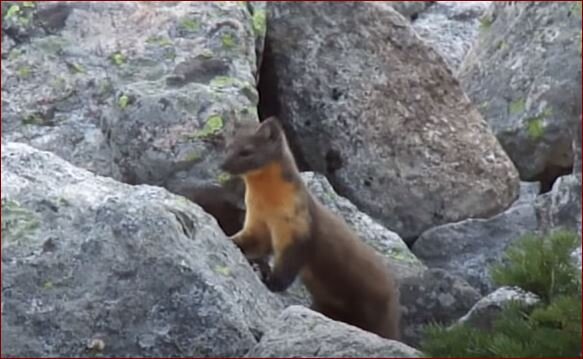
269,129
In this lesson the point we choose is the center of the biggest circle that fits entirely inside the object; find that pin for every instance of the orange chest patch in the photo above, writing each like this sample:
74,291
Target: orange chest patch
268,192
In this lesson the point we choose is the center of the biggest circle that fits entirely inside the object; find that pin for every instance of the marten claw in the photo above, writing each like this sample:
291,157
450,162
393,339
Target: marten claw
261,267
274,284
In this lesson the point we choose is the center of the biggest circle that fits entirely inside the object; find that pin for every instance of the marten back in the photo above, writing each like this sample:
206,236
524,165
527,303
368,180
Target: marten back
352,281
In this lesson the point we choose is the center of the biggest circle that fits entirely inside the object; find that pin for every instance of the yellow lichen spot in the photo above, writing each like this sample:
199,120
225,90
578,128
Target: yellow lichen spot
123,102
213,126
259,22
228,41
224,270
118,58
223,178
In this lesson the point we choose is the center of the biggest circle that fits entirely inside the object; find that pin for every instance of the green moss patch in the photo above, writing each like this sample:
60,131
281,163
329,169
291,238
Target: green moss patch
118,59
501,45
403,255
212,127
24,71
34,119
517,107
576,8
75,68
223,270
229,41
123,102
259,22
223,178
193,157
224,81
535,125
486,22
18,223
159,41
189,25
20,14
535,128
13,12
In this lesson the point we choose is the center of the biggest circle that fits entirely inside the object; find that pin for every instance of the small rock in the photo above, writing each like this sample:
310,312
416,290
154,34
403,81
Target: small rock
561,207
300,332
528,192
96,345
486,310
451,27
469,248
433,296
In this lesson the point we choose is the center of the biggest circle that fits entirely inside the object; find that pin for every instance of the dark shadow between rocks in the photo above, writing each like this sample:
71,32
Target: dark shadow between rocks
269,103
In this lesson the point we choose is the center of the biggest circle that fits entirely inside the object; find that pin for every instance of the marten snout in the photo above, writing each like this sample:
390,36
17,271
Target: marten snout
231,165
253,149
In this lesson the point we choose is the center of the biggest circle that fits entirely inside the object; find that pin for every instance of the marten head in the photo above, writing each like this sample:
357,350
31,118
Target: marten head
253,148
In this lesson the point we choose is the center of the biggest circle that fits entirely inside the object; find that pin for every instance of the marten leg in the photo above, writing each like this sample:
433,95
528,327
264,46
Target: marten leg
290,255
254,239
388,326
328,311
381,318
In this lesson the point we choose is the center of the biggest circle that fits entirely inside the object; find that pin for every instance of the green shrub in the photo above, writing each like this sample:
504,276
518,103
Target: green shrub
541,265
552,328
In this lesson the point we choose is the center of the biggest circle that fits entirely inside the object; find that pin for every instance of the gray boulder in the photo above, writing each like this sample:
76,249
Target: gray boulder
138,91
524,74
451,27
470,247
200,78
55,84
561,207
434,296
528,192
379,113
91,267
486,310
302,333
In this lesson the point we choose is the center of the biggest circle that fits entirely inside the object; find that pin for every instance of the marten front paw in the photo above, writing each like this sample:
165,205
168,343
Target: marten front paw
238,240
234,238
274,283
261,267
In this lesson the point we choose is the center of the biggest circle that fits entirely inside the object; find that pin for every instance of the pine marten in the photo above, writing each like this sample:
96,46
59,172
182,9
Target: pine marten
348,281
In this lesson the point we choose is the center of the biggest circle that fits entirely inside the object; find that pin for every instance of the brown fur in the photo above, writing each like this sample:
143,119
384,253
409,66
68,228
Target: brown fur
218,202
348,280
